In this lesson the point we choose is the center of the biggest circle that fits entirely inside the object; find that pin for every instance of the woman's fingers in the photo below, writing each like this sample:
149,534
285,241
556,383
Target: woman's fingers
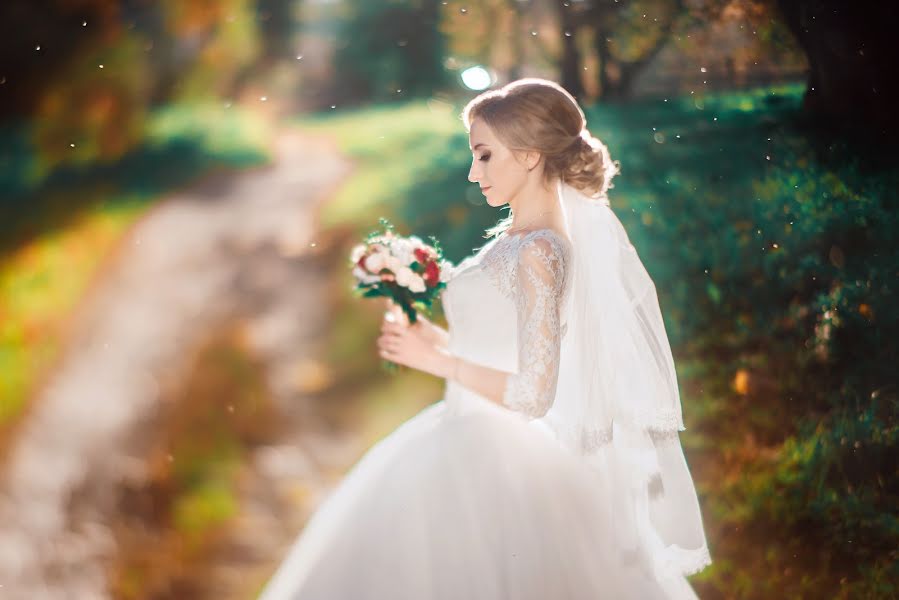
398,313
388,350
389,342
392,328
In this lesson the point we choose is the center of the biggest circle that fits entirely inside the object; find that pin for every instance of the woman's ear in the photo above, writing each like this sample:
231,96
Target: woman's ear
532,159
529,159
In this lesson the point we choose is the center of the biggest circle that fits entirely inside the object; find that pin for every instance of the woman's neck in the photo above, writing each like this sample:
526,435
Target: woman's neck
536,208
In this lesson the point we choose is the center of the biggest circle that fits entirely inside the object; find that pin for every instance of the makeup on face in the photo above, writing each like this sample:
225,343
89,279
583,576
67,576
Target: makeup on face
494,167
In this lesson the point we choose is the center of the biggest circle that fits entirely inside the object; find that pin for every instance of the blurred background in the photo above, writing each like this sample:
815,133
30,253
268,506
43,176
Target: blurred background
185,371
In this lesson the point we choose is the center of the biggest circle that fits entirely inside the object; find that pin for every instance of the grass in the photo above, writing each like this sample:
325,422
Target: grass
394,147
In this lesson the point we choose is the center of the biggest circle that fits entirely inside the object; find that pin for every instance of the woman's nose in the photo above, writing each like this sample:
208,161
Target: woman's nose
472,176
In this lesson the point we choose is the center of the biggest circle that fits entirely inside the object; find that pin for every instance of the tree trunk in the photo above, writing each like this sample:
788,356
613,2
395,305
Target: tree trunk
628,72
277,27
616,78
517,44
607,86
852,60
570,64
600,17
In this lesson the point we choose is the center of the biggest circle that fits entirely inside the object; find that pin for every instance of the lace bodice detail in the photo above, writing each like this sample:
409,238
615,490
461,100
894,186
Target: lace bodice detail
531,270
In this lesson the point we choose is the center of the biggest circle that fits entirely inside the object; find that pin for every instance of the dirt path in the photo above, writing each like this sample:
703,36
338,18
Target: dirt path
234,247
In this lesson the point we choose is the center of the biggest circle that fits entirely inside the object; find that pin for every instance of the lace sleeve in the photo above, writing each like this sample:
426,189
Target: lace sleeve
539,284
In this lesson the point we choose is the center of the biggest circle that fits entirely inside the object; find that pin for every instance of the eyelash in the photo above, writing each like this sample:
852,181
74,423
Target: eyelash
485,157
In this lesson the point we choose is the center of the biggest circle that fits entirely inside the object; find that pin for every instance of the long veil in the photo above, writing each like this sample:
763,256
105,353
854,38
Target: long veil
617,402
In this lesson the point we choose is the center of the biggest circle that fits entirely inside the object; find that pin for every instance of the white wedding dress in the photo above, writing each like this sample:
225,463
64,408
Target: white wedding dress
469,500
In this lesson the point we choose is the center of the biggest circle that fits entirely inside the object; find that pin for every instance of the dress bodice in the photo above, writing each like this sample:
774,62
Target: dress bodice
504,309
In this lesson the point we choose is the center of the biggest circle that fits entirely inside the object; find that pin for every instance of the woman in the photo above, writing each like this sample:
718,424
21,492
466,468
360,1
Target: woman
552,467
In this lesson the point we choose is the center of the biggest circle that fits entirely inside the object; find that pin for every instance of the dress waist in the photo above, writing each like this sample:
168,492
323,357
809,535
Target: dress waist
461,400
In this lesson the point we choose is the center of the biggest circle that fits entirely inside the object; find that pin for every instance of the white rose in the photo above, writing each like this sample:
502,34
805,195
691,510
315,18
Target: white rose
417,285
404,276
365,276
357,253
402,250
393,263
375,262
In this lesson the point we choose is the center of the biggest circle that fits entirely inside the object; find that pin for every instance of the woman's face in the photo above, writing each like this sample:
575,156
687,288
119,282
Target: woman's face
494,167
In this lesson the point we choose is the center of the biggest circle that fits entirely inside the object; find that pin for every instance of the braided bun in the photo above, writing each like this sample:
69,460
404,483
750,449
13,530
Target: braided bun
585,165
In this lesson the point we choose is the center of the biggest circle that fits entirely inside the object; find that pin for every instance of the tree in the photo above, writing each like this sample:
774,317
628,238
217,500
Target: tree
37,41
627,37
277,26
570,61
852,60
512,37
390,46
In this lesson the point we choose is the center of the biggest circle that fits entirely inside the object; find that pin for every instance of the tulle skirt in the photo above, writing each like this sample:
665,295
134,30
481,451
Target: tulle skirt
474,505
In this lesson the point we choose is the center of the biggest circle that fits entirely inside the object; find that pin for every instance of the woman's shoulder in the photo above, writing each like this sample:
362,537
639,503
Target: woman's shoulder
542,253
509,255
544,242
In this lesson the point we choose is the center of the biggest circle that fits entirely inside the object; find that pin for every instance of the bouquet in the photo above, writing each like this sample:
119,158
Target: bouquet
405,270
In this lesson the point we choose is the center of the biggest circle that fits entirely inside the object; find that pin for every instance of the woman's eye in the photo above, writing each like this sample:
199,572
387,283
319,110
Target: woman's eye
485,157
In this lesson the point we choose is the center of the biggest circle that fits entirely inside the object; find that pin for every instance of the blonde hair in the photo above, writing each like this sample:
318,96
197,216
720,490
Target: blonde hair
538,115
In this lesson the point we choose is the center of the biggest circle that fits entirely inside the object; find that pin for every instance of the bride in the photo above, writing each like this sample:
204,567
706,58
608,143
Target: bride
552,467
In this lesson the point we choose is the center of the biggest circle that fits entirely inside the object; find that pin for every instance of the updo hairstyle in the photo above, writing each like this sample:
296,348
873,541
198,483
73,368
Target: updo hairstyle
539,115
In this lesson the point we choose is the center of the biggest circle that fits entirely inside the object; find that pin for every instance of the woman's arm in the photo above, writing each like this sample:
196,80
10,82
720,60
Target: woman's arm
531,390
485,381
412,346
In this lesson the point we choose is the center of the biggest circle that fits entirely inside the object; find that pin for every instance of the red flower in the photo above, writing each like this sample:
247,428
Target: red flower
421,255
432,274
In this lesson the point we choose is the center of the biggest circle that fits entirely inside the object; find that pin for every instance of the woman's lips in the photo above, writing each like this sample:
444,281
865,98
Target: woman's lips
484,189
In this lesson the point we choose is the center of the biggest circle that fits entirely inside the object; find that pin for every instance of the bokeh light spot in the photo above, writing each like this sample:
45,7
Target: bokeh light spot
476,78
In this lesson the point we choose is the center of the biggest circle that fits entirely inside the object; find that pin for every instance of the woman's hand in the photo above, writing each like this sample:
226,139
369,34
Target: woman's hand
435,334
420,346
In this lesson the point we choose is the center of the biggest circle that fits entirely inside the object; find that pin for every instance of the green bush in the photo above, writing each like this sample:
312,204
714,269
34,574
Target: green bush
775,254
